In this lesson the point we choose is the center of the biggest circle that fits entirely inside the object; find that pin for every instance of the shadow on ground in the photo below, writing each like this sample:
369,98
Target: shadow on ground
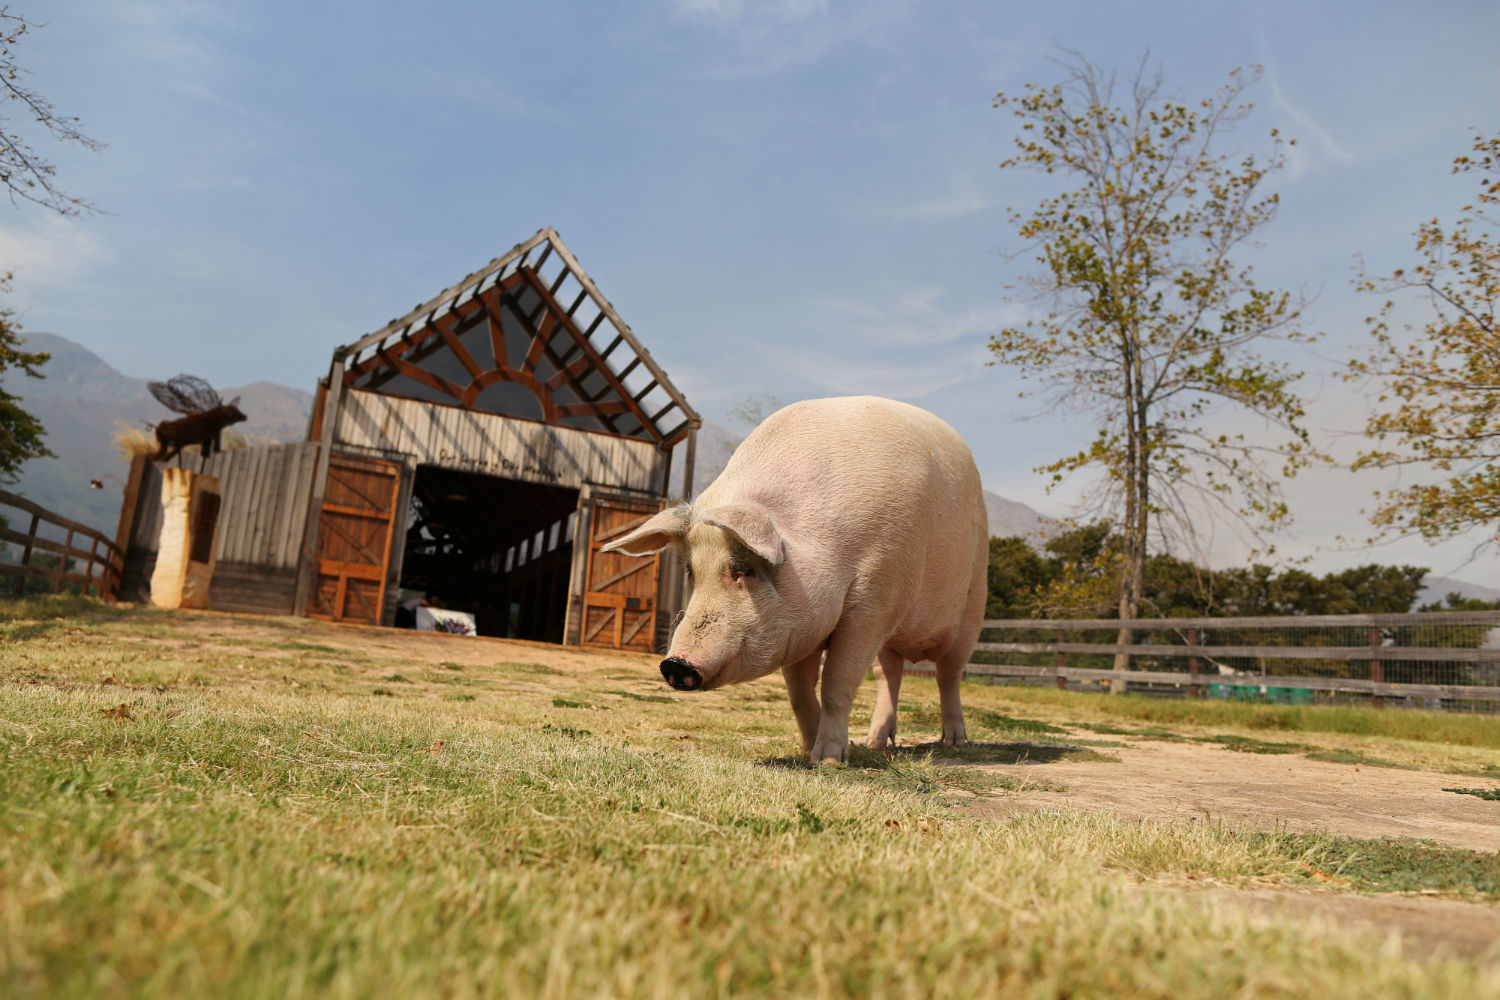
969,753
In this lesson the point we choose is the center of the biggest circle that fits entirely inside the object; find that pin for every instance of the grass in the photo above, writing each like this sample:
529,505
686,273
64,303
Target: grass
527,668
232,835
1488,794
1396,865
1351,757
1247,744
1148,733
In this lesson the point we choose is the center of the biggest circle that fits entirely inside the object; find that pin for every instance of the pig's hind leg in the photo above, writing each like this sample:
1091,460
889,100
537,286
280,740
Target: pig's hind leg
950,665
889,666
950,672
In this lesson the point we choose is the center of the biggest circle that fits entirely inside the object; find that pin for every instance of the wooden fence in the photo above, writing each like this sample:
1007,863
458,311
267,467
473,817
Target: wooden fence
101,563
1438,658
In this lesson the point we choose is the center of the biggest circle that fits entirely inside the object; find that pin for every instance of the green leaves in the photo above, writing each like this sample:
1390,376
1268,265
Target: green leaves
20,432
1440,389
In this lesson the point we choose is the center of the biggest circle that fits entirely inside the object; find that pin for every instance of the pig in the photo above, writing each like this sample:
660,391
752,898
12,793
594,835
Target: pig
844,532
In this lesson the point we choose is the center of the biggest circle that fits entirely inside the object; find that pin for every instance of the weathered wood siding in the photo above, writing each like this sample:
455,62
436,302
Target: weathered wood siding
265,492
494,445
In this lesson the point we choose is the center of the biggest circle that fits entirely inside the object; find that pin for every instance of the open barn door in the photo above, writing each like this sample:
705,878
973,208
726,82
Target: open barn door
613,603
354,540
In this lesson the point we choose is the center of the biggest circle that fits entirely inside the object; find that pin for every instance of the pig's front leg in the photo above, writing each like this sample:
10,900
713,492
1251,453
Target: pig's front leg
849,657
802,689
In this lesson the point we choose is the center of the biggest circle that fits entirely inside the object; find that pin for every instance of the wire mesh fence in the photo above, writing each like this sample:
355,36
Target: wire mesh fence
1440,660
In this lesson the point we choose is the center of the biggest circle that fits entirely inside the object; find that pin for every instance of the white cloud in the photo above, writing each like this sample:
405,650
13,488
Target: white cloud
961,201
760,11
48,251
773,35
916,318
172,40
1297,157
908,375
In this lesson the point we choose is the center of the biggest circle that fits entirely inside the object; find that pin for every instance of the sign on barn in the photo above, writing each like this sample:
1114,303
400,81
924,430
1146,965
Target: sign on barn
476,453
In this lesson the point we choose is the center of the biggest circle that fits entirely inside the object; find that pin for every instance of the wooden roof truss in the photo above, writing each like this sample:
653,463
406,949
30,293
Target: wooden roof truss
530,319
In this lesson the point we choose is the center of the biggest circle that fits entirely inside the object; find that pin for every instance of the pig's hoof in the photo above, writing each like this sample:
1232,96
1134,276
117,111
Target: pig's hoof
954,736
828,753
881,736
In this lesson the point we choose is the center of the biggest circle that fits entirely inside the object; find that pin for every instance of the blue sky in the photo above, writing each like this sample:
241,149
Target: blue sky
792,198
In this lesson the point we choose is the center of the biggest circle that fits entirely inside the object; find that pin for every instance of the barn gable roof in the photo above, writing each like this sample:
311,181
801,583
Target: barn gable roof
527,335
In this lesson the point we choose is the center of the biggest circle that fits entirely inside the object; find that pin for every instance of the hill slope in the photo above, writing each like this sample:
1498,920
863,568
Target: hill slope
80,402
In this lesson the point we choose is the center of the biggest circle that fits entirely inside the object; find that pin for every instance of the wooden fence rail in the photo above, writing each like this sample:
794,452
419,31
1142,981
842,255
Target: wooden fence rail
1383,635
102,562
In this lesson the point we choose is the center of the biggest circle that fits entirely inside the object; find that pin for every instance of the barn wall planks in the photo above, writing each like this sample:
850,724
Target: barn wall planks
265,491
499,446
260,590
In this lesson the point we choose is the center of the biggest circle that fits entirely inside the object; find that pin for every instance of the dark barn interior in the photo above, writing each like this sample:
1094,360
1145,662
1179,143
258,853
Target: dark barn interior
500,549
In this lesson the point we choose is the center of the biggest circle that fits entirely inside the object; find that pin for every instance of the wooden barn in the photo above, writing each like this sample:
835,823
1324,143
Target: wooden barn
478,450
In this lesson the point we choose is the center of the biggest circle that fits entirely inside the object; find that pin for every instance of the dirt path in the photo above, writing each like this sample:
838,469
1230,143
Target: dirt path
1427,928
1167,781
1170,781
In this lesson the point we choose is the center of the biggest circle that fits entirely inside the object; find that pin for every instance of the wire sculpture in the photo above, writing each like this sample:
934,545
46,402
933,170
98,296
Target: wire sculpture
204,420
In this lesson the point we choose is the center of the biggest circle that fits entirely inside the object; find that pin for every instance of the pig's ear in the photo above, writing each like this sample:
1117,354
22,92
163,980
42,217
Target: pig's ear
752,525
657,533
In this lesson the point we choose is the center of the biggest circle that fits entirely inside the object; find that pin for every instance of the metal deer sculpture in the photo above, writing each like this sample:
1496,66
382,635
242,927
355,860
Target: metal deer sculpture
205,418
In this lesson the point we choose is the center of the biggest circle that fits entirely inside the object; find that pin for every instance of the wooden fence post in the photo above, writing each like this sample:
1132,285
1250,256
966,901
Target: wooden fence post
1194,690
62,564
1377,668
1062,661
26,555
93,558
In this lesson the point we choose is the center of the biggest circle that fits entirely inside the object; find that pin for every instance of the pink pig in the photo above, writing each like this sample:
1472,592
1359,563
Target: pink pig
843,531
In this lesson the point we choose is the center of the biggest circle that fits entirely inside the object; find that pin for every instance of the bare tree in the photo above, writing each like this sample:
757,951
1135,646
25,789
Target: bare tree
25,173
27,177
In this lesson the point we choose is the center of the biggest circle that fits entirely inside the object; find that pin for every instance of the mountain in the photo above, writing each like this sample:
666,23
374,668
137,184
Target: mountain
1436,588
1011,517
79,403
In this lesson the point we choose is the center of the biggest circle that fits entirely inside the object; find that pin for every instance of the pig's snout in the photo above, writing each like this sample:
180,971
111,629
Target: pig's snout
681,674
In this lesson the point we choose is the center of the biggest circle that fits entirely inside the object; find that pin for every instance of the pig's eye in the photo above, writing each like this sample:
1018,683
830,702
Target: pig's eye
740,571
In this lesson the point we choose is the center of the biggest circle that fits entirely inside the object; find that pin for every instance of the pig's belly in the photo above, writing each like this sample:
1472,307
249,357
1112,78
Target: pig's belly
921,647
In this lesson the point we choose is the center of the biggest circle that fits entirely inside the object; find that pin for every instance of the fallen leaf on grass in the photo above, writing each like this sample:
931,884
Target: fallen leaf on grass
436,747
121,714
1321,876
